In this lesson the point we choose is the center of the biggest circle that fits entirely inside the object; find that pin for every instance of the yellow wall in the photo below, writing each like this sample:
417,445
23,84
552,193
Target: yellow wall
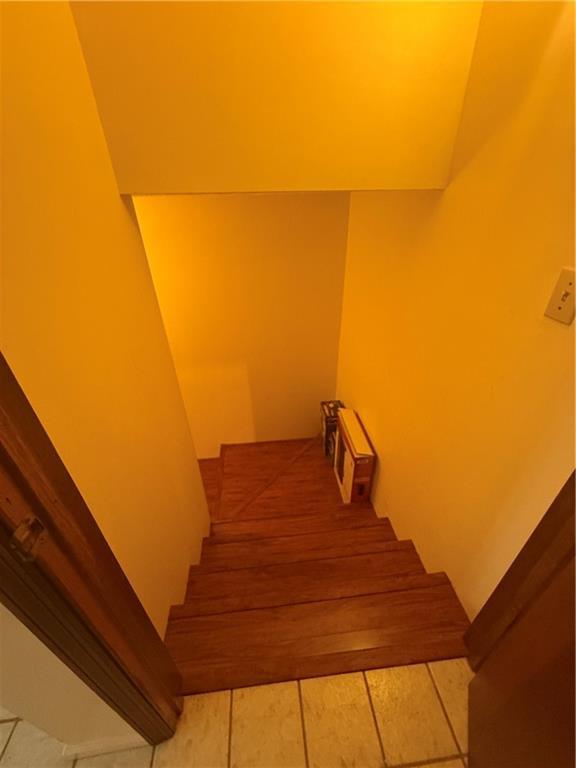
81,326
289,96
250,287
466,388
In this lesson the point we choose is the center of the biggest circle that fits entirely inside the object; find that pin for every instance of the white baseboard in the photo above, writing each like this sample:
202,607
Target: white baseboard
102,746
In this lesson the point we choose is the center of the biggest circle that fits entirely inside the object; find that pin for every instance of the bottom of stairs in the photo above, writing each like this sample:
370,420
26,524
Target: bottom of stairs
286,590
236,649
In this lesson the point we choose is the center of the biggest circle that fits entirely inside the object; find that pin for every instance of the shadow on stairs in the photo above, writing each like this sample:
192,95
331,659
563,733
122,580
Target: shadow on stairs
293,583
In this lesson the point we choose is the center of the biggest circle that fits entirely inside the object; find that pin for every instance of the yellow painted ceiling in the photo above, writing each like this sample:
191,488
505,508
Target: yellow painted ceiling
269,96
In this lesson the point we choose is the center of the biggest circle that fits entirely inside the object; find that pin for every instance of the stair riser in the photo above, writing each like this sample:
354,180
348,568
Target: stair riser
203,679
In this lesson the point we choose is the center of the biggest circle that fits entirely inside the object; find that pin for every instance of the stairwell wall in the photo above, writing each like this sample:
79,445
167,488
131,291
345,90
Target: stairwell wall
250,287
466,389
82,331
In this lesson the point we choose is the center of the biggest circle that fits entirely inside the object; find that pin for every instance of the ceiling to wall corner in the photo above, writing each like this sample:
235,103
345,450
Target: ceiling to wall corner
276,96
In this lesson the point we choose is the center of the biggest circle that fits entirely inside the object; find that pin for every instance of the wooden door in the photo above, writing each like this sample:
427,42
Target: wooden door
60,578
522,645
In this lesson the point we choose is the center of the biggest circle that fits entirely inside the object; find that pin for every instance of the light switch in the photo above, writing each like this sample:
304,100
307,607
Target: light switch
561,304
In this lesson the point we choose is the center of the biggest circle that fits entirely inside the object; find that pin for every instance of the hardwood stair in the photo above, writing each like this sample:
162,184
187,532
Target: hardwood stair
301,582
292,583
261,528
292,549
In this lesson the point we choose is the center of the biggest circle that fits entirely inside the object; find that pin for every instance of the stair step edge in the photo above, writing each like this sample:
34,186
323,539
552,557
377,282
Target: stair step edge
384,546
298,617
216,677
341,511
395,544
381,523
419,581
216,539
262,559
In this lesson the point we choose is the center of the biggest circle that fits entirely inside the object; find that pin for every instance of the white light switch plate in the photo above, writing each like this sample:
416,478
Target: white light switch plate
561,304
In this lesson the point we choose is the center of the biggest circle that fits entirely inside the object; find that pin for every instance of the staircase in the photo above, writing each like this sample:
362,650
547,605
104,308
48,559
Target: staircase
292,583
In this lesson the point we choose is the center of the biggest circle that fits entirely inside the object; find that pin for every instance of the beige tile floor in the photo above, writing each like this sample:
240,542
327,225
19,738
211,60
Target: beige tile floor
401,716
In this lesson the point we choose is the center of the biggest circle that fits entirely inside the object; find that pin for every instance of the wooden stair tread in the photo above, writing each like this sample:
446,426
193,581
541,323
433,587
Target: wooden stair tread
247,468
308,581
264,671
258,528
266,645
251,632
304,482
398,557
307,546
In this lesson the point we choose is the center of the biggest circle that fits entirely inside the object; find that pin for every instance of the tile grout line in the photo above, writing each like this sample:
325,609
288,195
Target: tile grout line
452,731
372,709
152,758
303,723
8,740
230,728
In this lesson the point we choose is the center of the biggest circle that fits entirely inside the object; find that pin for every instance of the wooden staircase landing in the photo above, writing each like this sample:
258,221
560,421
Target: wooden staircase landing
292,583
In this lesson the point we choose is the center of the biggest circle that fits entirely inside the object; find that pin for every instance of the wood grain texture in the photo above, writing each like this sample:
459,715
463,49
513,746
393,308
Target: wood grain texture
301,582
292,583
522,646
548,549
413,650
323,625
291,549
311,639
261,528
283,478
30,596
304,591
247,469
522,698
78,575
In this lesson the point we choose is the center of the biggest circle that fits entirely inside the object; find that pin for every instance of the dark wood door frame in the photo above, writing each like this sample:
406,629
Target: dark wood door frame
60,578
548,549
521,645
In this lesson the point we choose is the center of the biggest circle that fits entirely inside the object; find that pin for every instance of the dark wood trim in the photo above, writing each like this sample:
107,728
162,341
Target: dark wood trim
74,595
31,597
546,552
